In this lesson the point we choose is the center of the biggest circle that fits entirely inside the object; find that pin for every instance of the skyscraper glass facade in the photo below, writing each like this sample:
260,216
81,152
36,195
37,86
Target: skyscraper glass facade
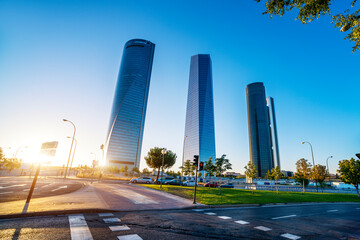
199,126
259,131
125,133
273,132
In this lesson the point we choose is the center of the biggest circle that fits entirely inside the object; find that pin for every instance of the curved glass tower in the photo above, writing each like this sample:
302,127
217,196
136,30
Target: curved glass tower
199,127
124,139
259,131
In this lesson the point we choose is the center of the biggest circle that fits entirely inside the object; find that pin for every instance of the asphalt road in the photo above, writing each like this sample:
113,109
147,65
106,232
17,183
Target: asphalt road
17,188
311,221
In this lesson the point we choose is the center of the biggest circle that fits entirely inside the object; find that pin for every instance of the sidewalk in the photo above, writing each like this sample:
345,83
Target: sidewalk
85,198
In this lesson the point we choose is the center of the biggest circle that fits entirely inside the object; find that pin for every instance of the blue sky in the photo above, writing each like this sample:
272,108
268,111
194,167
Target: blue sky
60,59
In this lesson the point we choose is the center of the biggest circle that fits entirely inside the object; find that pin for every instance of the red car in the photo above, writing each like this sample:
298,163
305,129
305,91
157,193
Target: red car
213,184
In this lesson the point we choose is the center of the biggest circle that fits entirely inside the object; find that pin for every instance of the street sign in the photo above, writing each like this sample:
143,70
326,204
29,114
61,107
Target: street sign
49,148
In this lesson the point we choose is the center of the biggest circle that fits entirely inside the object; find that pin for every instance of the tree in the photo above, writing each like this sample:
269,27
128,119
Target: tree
126,169
269,175
250,172
349,171
145,171
221,165
309,10
10,163
302,172
154,159
136,170
276,172
209,168
319,174
188,168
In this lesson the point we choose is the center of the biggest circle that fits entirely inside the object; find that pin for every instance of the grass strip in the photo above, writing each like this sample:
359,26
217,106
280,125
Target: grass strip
210,196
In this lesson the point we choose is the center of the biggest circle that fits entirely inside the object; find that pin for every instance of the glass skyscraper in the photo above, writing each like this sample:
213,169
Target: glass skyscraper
199,136
125,133
273,132
259,128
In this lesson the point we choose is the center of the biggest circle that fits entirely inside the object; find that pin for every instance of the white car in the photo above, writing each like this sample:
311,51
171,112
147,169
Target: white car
189,183
141,180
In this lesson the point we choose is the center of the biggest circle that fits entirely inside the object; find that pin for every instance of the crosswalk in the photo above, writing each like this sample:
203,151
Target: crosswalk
80,231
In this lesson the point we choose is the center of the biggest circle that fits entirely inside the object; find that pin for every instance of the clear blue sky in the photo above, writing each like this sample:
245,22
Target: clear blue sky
60,59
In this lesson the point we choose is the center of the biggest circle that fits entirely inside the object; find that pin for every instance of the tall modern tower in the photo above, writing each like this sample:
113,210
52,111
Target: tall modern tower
259,131
125,134
199,125
273,132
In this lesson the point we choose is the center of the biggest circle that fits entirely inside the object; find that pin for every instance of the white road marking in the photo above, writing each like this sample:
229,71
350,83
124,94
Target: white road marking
106,215
210,213
224,217
135,197
334,210
18,185
130,237
358,208
29,189
242,222
262,228
119,228
47,185
198,210
79,228
5,192
290,236
284,217
59,188
111,220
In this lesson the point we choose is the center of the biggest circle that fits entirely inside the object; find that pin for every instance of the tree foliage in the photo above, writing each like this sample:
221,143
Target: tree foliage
309,10
154,159
319,174
250,172
210,167
188,168
349,171
222,164
303,171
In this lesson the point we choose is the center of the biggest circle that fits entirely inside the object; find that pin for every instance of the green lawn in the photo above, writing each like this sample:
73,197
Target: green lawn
238,196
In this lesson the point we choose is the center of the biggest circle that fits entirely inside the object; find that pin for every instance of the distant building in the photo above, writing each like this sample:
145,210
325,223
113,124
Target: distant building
273,132
287,173
125,133
199,136
233,174
263,143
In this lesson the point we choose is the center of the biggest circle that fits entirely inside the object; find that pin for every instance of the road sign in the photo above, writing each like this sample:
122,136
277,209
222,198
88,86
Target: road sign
49,148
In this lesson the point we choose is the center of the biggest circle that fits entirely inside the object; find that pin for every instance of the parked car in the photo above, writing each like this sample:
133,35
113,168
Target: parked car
141,180
174,182
189,183
164,180
213,184
228,185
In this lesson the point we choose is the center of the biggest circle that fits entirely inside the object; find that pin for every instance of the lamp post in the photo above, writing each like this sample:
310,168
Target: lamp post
72,158
312,155
163,152
327,165
72,142
17,151
182,164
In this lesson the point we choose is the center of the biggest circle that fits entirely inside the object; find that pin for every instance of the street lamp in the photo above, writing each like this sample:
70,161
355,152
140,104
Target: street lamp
163,152
72,142
17,151
182,164
72,158
312,155
327,165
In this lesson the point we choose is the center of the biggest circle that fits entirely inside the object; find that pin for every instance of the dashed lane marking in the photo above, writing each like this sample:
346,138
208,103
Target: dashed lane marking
241,222
284,217
290,236
198,210
112,220
358,208
47,185
224,217
334,210
119,228
210,213
79,228
106,215
130,237
18,185
5,192
59,188
262,228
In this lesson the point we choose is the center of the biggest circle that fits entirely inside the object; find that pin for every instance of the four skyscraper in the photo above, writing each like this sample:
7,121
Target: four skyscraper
125,133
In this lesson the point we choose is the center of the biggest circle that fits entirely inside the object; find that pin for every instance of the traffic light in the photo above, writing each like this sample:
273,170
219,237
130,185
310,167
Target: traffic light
196,160
201,166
